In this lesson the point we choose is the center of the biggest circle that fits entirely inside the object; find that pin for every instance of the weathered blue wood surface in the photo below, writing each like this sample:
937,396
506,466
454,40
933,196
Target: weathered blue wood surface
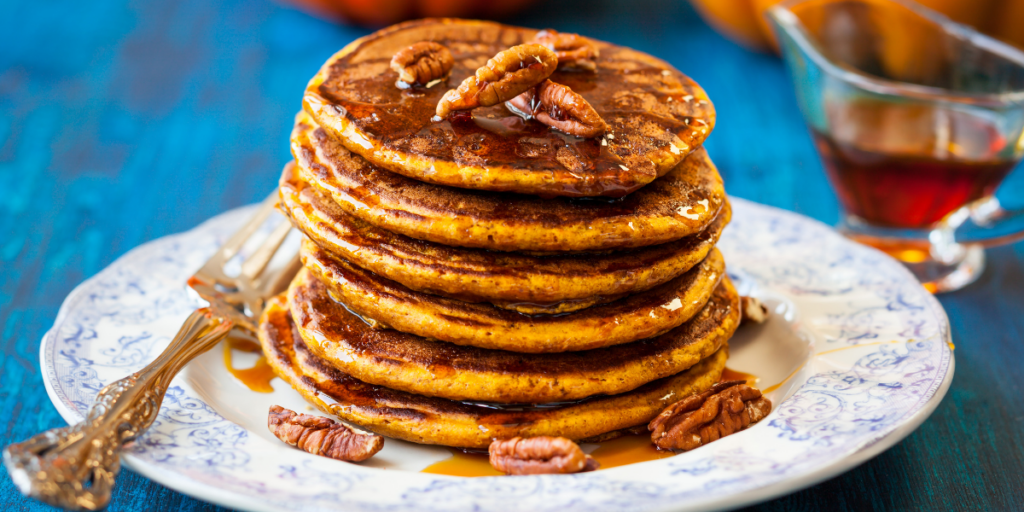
122,121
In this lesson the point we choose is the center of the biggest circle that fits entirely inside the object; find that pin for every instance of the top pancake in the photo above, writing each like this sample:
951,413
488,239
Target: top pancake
656,116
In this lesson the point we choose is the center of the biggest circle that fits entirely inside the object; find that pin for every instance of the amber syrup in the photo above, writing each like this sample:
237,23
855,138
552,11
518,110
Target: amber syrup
905,191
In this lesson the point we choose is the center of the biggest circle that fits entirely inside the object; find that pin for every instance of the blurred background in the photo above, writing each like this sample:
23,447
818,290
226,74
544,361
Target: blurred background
742,21
125,120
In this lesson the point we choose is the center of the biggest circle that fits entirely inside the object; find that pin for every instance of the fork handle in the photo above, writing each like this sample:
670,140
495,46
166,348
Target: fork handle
74,467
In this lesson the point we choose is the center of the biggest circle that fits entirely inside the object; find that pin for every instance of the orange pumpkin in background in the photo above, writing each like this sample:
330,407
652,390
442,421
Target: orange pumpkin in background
377,13
743,21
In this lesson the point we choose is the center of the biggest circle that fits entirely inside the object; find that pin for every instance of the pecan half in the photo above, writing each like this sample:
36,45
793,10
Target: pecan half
573,50
559,107
539,455
525,105
422,63
322,436
726,408
505,76
752,310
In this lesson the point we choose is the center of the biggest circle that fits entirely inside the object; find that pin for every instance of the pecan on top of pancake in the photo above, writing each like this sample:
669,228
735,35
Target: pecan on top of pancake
682,203
505,76
573,51
655,115
559,107
425,63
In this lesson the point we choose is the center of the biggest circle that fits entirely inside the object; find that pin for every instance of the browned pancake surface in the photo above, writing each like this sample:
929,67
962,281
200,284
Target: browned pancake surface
524,282
679,204
411,363
656,116
428,420
640,316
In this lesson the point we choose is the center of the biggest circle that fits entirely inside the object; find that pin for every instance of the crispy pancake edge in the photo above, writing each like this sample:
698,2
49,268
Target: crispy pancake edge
681,203
414,364
519,281
428,420
644,315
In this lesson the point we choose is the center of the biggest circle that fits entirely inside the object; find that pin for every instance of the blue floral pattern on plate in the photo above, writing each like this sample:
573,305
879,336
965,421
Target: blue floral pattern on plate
896,365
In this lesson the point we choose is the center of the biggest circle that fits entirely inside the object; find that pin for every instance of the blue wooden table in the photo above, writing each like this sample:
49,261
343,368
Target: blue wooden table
123,121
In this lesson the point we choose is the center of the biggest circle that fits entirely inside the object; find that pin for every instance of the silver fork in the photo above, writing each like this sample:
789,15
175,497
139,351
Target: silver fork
74,467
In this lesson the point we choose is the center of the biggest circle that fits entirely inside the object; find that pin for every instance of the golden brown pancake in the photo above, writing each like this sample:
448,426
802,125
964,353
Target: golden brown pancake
522,282
679,204
429,420
640,316
407,362
656,116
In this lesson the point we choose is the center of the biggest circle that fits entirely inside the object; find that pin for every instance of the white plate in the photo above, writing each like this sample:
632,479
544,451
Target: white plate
864,347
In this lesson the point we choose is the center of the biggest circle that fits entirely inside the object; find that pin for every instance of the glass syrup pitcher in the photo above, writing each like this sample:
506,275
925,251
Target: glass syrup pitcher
917,120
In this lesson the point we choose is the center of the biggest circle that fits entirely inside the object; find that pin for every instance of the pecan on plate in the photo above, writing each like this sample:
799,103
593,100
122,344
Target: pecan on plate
322,436
561,108
573,50
505,76
752,310
726,408
422,63
539,455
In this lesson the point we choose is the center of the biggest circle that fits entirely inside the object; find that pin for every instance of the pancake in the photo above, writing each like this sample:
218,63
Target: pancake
640,316
407,362
680,204
521,282
428,420
656,116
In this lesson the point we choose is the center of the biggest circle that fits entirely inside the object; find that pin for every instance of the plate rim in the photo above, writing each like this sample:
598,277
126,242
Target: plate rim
802,479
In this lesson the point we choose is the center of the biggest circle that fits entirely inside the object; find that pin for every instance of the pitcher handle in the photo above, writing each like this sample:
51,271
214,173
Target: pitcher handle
993,224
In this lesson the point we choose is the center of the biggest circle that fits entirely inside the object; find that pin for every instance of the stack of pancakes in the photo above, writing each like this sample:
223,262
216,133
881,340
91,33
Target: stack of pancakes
485,276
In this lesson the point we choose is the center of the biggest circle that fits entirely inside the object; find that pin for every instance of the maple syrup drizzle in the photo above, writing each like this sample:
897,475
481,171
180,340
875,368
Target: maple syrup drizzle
256,378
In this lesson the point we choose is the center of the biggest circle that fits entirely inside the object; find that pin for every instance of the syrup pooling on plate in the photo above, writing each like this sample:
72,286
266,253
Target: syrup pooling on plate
465,464
627,449
729,374
256,378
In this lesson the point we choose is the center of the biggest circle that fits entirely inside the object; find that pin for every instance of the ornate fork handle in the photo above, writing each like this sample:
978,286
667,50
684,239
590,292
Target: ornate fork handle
74,467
